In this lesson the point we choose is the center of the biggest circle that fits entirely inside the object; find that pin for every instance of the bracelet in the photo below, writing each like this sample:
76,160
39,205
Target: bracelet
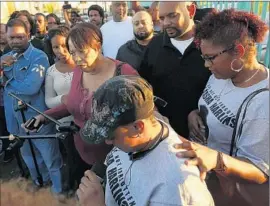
221,167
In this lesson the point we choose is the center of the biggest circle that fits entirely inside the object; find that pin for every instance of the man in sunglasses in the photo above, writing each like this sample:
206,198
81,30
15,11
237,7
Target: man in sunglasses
173,65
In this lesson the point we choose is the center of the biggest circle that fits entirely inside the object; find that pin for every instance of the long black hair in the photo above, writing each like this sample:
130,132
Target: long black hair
61,30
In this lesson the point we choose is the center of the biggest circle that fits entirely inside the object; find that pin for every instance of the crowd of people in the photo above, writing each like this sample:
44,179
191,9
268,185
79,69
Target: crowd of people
172,99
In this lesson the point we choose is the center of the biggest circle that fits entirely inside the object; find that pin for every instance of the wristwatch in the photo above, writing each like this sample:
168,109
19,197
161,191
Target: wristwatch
220,167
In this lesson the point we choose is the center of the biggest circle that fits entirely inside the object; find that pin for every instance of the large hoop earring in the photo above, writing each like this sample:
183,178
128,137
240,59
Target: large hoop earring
237,70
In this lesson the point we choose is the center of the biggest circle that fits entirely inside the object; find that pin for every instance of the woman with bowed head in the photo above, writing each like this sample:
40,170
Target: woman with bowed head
92,70
233,111
57,85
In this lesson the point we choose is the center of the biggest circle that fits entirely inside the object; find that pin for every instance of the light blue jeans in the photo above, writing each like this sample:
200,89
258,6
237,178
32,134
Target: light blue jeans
49,161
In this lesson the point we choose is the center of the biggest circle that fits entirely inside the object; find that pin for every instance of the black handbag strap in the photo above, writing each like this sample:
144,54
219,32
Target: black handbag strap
118,70
243,107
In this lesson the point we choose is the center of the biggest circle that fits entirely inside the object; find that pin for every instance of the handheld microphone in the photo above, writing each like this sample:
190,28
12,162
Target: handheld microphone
100,170
16,56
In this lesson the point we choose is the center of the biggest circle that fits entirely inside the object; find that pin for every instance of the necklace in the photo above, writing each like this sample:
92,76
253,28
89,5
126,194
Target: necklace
252,76
247,80
221,92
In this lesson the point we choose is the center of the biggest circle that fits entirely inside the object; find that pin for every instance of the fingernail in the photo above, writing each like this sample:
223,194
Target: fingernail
179,155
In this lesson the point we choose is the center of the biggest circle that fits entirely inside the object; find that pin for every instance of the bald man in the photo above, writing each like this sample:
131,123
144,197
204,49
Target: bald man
173,65
143,30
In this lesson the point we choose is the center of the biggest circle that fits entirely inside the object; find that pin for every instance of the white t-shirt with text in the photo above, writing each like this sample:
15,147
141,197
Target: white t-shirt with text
220,102
159,178
115,34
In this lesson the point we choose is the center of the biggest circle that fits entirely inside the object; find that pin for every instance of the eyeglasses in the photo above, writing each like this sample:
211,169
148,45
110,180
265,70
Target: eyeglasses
212,58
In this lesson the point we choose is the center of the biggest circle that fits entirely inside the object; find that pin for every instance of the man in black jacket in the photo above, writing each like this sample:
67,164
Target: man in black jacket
173,65
132,51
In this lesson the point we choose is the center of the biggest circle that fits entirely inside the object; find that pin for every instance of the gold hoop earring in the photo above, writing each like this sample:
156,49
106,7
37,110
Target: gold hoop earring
237,70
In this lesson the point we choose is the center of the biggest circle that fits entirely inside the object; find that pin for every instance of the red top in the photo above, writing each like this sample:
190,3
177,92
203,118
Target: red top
79,103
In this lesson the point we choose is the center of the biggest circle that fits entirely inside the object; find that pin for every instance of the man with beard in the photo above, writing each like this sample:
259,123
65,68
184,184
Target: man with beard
41,25
96,15
117,31
132,51
25,68
173,64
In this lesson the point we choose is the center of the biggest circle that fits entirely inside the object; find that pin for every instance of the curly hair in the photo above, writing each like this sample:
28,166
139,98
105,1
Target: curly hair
61,30
98,9
229,27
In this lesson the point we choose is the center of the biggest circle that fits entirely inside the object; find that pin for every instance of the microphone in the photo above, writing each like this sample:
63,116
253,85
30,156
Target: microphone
100,170
17,55
3,79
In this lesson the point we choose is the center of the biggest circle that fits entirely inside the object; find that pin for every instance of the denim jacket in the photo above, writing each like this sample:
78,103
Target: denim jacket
26,80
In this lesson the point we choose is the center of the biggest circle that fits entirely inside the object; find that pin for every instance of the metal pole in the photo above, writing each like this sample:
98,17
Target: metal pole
39,177
48,136
36,110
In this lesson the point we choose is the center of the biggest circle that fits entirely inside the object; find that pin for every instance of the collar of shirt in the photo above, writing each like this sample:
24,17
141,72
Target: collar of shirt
167,43
28,52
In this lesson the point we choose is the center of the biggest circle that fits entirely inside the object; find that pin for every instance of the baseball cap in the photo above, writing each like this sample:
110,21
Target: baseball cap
121,100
